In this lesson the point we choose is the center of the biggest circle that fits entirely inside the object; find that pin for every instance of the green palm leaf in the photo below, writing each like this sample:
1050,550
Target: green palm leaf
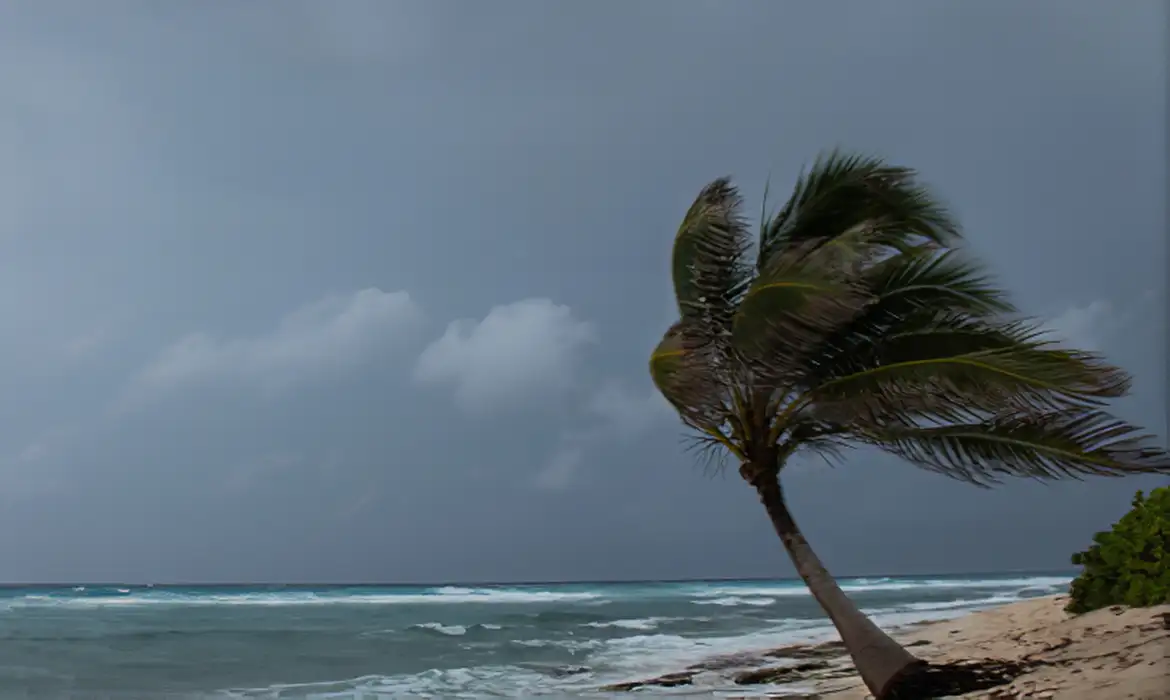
708,264
792,307
842,192
1064,444
685,379
907,289
957,369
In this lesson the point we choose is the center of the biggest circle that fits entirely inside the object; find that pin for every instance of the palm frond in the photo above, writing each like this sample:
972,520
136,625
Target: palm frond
907,289
685,377
936,279
792,307
1053,445
708,265
842,192
955,368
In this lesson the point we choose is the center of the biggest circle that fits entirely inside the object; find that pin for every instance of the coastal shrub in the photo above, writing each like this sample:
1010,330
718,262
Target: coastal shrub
1130,564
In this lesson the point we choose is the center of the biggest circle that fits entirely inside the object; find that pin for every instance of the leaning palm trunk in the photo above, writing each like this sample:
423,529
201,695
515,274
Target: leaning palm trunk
859,322
879,659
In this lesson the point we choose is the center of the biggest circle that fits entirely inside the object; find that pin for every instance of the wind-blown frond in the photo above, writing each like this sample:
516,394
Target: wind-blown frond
708,266
840,193
791,308
955,368
1065,444
925,278
906,290
685,378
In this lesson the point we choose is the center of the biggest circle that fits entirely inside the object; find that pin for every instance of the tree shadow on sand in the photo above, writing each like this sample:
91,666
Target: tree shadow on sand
941,680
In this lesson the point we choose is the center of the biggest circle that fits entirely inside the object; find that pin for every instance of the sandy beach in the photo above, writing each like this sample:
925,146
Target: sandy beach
1111,654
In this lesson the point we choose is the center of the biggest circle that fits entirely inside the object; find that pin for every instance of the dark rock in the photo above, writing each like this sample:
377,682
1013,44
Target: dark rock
1165,620
670,680
563,671
779,674
826,650
723,663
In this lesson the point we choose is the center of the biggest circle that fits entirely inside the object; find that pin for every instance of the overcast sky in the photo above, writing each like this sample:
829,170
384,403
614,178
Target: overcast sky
364,290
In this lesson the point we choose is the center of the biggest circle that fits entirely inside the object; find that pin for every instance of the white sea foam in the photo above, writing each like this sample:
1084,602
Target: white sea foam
645,623
653,654
962,603
734,600
444,683
449,630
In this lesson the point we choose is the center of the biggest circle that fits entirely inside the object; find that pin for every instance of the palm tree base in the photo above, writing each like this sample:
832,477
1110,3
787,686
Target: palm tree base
924,681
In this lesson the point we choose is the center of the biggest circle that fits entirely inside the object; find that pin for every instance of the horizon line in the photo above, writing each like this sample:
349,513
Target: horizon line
499,583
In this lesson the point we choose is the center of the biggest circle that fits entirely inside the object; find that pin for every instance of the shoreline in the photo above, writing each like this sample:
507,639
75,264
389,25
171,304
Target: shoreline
1114,653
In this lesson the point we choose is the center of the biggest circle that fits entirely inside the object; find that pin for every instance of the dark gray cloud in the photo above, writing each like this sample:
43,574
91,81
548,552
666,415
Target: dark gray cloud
241,239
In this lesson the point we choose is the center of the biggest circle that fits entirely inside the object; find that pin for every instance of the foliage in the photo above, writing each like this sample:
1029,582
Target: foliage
1130,564
855,317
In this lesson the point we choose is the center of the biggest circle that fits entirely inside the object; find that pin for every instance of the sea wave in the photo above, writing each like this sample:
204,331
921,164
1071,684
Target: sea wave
730,594
436,683
436,596
875,585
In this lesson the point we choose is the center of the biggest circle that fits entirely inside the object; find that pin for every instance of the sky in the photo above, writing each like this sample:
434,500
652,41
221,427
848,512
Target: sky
364,291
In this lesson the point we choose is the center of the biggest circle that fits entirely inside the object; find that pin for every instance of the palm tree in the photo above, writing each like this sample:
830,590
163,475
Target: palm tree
856,320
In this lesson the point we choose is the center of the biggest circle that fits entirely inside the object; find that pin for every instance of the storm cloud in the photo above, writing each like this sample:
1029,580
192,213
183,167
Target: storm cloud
364,291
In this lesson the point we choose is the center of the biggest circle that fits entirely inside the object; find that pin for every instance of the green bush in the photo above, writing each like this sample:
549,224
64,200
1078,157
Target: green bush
1130,564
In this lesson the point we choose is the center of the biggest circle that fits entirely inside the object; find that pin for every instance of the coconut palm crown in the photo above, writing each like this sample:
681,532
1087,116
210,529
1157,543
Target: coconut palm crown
854,318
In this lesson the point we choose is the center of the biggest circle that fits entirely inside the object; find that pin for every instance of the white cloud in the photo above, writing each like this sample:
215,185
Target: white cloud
558,474
1084,327
516,353
332,334
628,413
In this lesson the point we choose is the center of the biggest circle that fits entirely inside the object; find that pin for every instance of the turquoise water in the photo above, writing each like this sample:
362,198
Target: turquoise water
556,640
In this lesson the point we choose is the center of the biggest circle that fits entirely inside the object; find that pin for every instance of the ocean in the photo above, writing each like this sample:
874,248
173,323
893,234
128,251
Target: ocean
554,640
